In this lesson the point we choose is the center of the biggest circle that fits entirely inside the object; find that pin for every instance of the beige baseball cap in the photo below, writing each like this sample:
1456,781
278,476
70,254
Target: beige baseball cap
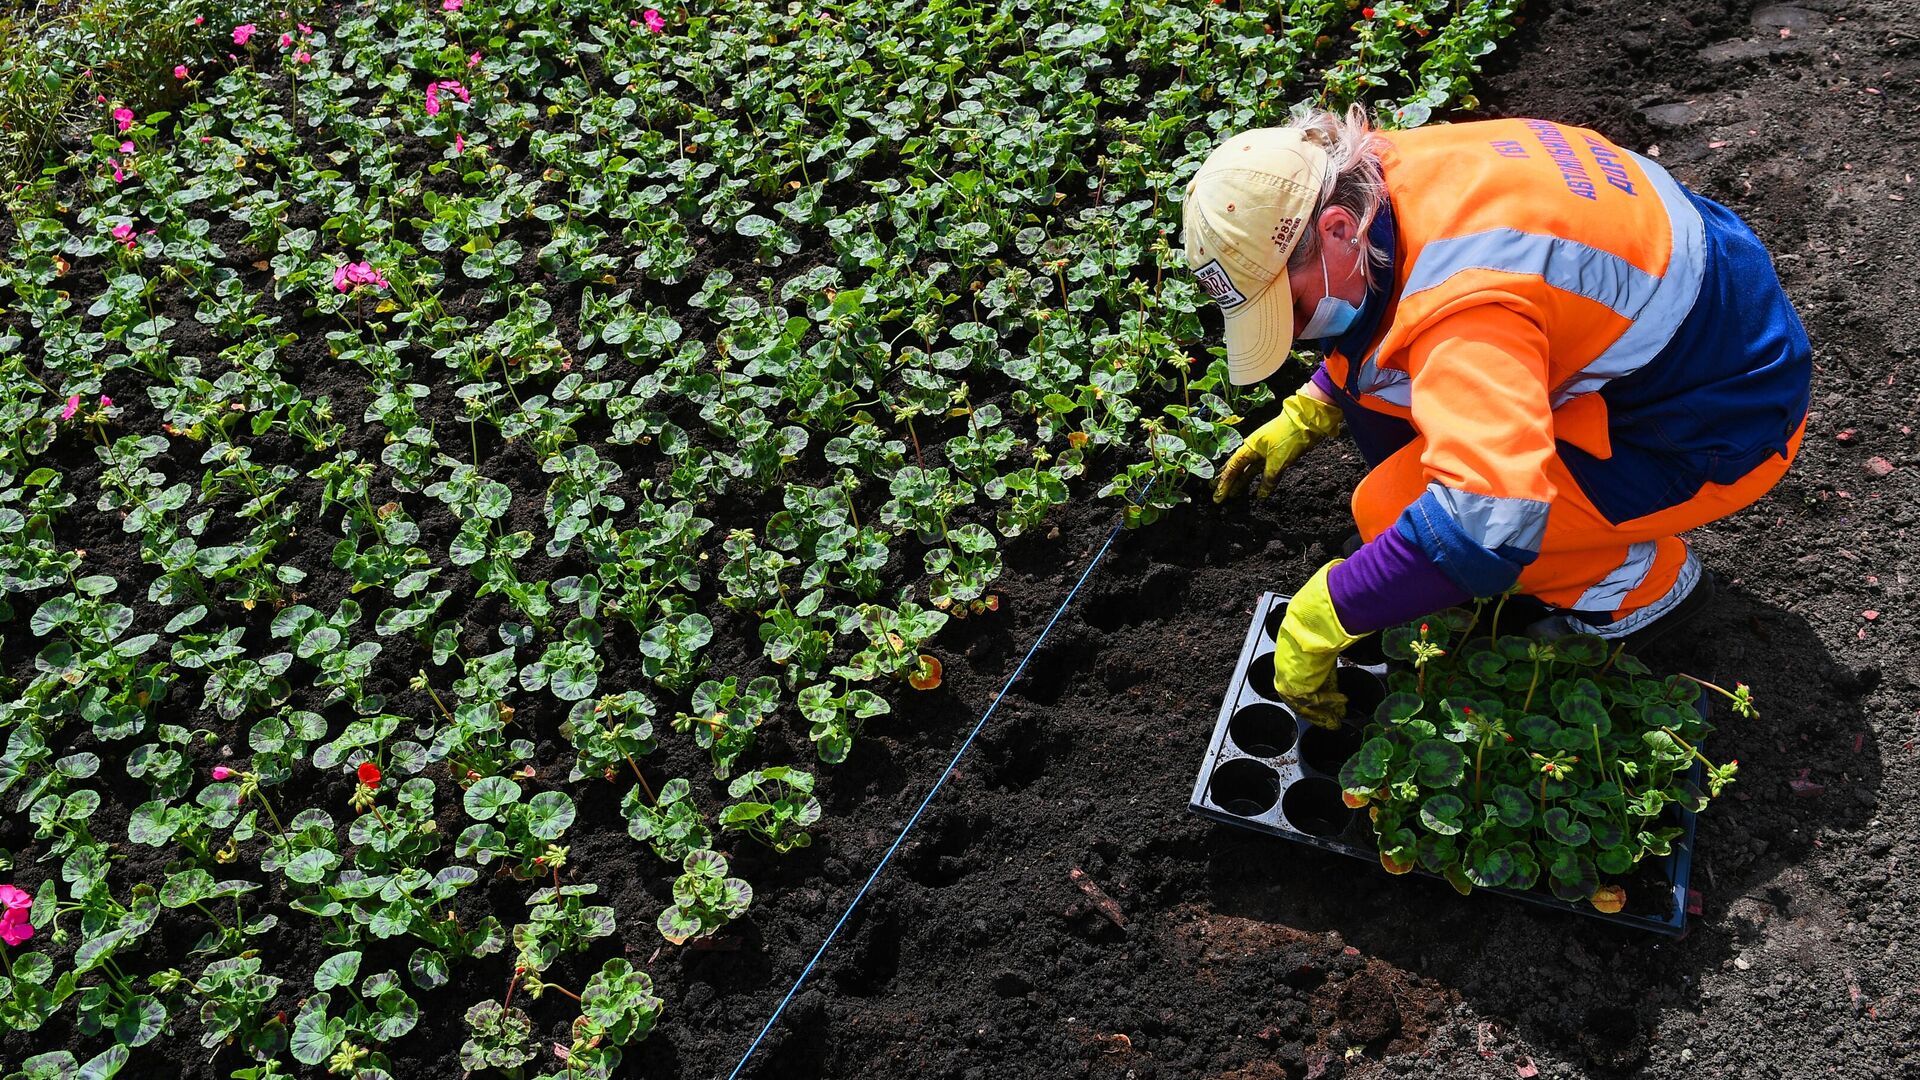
1245,211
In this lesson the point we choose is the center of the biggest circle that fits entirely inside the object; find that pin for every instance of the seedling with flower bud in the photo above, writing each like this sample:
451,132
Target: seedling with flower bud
1573,756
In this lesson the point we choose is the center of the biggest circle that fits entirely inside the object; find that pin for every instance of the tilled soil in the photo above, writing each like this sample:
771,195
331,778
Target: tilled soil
1232,956
1241,958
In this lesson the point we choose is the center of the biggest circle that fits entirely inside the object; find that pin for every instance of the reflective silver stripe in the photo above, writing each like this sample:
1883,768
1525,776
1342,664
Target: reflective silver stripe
1656,305
1568,265
1494,522
1682,588
1606,594
1393,387
1656,324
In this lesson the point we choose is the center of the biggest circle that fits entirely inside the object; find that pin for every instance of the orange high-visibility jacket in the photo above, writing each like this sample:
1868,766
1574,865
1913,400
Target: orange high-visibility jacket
1553,293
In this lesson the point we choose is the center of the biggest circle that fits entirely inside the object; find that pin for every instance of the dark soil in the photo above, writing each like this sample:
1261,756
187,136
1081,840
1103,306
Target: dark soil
1247,958
978,955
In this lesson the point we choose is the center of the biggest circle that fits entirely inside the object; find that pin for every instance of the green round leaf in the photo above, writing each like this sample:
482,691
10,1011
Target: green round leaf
549,814
1489,867
1397,708
340,969
1438,763
489,796
1513,806
1560,824
1441,813
1585,714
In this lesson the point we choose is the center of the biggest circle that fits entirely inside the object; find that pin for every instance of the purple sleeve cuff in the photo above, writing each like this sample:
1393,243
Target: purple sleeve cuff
1325,382
1387,582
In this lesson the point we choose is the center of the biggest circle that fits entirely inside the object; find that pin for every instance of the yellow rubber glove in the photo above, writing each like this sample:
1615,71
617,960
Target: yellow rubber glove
1309,641
1302,423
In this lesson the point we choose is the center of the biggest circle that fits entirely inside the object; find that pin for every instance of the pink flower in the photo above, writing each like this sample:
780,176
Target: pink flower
123,116
303,58
199,20
286,40
127,148
73,406
122,231
305,29
105,401
119,174
474,60
451,5
433,94
242,32
352,274
221,772
14,927
653,20
179,71
459,144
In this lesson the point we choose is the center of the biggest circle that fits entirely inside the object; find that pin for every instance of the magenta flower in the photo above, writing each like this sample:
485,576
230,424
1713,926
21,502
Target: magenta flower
474,60
459,144
221,772
105,401
179,71
433,94
352,274
14,927
303,57
73,406
305,29
123,116
199,20
653,20
119,174
286,40
451,5
127,148
122,231
242,32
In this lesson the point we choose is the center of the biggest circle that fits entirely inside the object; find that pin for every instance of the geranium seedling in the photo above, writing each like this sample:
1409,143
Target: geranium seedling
1546,770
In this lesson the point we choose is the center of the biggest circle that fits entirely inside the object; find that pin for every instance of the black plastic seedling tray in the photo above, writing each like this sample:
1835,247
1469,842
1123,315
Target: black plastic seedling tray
1272,772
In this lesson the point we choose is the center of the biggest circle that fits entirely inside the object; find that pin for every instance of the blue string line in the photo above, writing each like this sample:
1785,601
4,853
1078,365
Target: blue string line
931,792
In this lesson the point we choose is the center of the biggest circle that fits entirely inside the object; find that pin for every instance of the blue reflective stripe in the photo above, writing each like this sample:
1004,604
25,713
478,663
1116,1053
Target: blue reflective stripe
1607,593
1501,525
1568,265
1660,319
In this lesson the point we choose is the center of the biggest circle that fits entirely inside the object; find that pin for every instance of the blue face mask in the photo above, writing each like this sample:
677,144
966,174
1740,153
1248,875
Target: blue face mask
1333,316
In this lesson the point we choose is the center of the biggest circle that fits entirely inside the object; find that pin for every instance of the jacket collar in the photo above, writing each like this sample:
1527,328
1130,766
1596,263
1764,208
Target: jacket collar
1353,344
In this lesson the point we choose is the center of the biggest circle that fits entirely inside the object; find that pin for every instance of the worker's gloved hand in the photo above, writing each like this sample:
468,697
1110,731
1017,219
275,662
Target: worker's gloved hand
1309,641
1303,421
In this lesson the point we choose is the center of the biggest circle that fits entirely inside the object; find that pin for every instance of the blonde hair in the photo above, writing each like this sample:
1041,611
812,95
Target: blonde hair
1354,180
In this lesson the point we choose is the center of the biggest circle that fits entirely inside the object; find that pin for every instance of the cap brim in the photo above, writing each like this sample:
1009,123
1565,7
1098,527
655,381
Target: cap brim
1259,335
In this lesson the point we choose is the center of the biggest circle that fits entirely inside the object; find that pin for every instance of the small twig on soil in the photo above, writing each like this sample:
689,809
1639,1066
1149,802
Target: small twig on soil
1101,901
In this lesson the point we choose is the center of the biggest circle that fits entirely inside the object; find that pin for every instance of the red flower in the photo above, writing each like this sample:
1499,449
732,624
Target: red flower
1366,13
369,774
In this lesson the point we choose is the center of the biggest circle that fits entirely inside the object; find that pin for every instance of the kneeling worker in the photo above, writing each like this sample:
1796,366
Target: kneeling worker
1553,357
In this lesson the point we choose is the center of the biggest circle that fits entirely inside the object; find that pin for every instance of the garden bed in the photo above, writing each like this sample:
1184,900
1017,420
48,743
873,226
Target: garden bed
978,954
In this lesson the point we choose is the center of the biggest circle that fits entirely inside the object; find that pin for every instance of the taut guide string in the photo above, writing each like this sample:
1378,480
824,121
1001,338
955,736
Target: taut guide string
931,792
